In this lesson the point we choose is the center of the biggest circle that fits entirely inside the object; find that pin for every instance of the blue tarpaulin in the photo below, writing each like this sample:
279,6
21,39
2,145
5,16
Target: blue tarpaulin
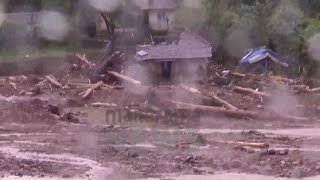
262,55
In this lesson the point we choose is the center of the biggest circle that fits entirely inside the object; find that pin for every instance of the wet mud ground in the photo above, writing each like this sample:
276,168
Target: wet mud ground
36,144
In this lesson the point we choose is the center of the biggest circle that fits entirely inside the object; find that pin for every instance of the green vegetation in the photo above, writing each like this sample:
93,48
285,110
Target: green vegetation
56,51
286,24
233,26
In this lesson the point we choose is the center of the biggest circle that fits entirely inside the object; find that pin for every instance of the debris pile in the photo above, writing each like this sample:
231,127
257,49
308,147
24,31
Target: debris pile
255,87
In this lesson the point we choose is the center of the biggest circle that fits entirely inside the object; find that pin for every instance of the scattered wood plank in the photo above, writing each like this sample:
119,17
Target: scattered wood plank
126,78
53,81
241,114
250,91
214,97
91,89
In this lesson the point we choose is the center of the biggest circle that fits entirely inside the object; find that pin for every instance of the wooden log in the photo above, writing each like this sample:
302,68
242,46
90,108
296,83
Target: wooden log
250,91
214,97
279,78
306,89
126,78
190,89
91,89
222,102
141,113
17,78
99,104
314,90
249,144
275,78
238,74
230,112
239,113
53,81
84,85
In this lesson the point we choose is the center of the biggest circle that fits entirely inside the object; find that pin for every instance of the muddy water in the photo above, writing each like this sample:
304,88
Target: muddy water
230,176
304,132
96,170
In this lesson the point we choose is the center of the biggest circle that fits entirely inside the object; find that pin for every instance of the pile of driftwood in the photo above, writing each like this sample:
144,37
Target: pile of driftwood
229,109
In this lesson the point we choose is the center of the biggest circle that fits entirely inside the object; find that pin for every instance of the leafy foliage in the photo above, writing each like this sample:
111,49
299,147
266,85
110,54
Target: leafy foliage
286,25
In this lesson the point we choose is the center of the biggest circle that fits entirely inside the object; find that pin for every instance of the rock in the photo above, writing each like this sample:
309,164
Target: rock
201,140
255,132
283,152
297,173
264,152
54,109
250,150
66,176
199,171
22,92
190,160
236,164
134,155
272,152
73,102
70,117
35,90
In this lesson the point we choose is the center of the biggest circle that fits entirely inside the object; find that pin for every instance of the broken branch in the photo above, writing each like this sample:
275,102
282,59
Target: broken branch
53,81
91,89
84,59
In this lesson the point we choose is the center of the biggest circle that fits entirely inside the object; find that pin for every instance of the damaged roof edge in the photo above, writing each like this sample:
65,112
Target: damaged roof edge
190,46
157,4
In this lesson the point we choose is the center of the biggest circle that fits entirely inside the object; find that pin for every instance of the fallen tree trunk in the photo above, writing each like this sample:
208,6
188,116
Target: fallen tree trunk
239,113
53,81
214,97
250,91
249,144
126,78
90,90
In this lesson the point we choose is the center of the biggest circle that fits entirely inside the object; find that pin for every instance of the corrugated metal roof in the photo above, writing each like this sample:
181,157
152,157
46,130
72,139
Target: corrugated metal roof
190,46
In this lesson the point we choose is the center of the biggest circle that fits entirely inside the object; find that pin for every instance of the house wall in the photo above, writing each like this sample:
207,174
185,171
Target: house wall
186,70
